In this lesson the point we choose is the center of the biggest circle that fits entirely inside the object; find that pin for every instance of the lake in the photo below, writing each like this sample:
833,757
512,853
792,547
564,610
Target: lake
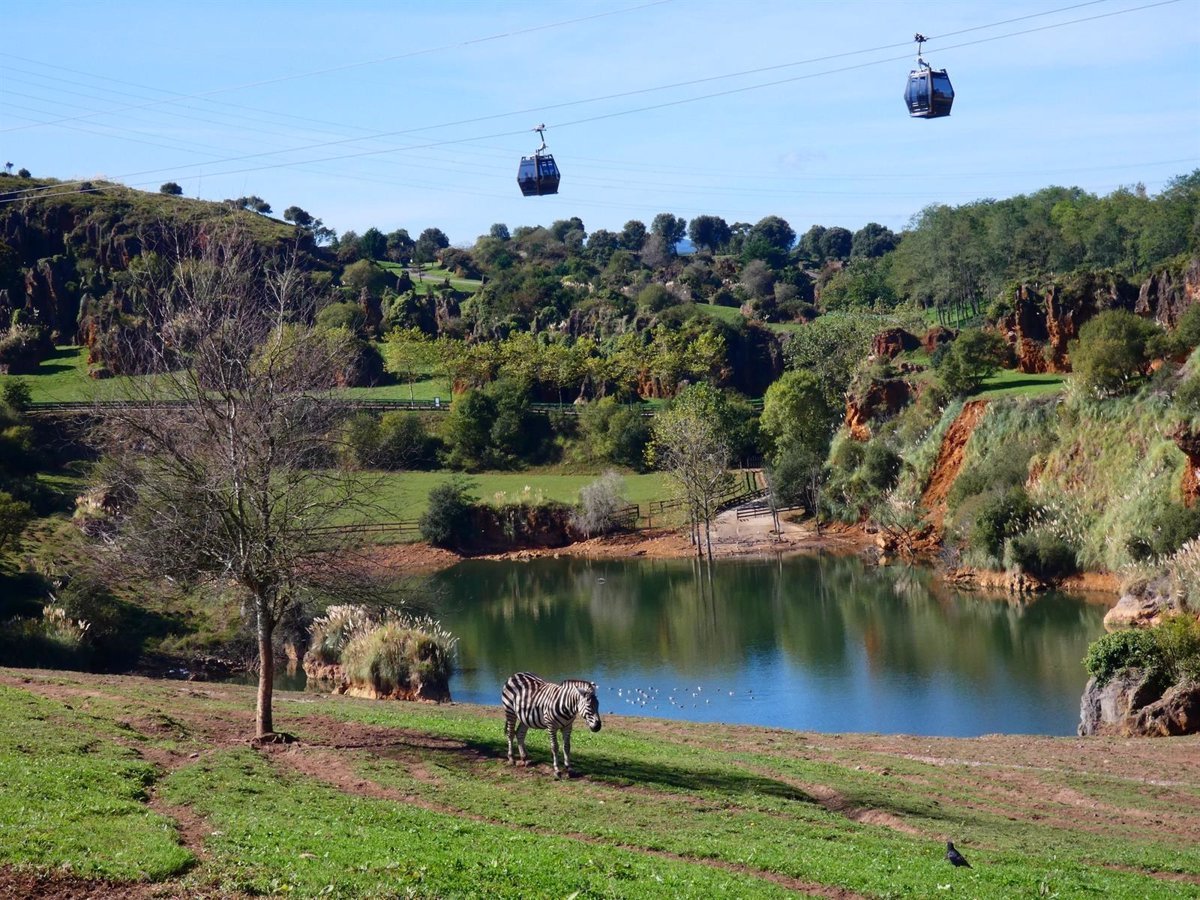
820,643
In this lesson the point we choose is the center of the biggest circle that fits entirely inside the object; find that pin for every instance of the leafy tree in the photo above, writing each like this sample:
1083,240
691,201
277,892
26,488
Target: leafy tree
429,243
633,236
709,232
24,173
863,284
871,241
835,243
775,231
14,516
499,231
1111,349
602,244
797,416
975,355
810,246
655,298
468,428
372,245
171,188
670,229
400,246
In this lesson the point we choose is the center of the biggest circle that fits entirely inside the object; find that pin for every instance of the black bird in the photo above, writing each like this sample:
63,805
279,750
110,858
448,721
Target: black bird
954,857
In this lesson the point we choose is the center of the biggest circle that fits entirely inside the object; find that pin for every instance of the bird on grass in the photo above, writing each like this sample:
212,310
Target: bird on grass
954,857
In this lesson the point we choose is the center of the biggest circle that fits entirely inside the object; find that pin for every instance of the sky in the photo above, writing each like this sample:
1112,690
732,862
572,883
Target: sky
415,114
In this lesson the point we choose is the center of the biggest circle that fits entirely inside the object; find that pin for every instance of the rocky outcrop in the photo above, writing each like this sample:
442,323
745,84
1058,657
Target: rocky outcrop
1142,605
1111,708
1167,294
892,342
1188,441
1044,320
1176,713
1135,704
935,337
881,399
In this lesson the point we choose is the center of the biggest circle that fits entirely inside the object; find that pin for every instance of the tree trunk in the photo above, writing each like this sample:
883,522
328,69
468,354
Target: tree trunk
264,720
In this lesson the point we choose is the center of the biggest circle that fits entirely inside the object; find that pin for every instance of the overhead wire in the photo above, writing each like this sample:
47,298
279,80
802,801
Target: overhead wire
633,111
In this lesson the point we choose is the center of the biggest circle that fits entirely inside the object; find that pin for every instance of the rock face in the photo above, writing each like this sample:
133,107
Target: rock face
1167,294
936,336
891,343
1133,704
1189,442
1142,606
881,399
1045,320
1112,708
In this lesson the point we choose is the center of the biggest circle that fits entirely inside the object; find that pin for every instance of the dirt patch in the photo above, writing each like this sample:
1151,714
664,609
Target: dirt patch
27,884
409,559
949,461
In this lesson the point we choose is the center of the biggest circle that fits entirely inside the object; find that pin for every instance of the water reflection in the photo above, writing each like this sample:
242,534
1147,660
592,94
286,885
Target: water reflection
810,643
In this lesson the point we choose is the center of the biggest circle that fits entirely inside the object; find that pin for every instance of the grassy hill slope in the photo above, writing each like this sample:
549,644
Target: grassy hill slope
125,779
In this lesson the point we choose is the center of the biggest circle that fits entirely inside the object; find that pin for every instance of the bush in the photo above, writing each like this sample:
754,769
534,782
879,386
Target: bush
599,503
55,641
447,520
1000,517
112,631
329,634
1113,653
1111,349
1169,652
1042,554
402,656
974,355
1173,526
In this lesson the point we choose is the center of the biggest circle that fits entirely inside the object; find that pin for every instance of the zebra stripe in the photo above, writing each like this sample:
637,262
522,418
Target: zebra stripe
533,702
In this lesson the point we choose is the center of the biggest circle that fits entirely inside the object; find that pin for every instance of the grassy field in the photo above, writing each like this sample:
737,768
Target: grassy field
729,314
1010,383
403,496
127,779
432,278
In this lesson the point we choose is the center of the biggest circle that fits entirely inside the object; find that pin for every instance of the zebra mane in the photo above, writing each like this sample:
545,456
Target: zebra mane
580,684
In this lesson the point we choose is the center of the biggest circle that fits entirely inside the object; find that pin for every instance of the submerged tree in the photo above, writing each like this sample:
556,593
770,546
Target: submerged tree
225,450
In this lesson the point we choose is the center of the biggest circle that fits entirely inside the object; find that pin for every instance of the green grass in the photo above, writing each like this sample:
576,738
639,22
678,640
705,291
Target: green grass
730,314
404,495
70,795
427,388
433,277
1011,383
405,799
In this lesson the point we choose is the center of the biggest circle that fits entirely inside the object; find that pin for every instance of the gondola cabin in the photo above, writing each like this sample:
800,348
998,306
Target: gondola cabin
538,175
929,94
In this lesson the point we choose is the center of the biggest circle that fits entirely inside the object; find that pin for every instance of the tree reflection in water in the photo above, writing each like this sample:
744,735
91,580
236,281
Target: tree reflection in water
818,643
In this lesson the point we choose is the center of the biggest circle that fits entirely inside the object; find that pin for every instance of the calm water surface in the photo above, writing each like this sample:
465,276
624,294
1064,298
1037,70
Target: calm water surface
812,643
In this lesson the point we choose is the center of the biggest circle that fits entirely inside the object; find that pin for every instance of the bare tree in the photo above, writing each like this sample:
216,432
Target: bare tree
226,447
689,444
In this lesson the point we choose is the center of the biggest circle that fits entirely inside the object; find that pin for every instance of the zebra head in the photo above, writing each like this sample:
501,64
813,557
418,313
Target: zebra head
589,706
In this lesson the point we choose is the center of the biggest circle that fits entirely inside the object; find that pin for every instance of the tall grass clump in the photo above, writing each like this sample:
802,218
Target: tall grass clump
404,657
384,652
55,641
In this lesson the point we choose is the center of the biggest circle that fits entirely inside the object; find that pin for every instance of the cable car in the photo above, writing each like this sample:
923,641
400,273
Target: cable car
538,175
929,94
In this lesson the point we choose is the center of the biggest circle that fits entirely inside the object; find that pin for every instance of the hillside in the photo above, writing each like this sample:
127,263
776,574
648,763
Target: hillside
152,782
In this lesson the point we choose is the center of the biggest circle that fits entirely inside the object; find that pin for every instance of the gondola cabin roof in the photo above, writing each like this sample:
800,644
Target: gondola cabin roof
929,94
538,175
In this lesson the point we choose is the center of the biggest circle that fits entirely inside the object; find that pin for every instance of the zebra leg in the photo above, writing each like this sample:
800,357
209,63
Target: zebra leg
521,730
510,727
554,750
567,750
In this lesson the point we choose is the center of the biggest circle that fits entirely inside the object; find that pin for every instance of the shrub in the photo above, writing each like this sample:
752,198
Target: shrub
405,442
1168,653
1172,526
112,631
1113,653
1111,349
329,634
1001,517
881,465
974,355
17,394
1187,395
599,503
402,656
447,520
1042,554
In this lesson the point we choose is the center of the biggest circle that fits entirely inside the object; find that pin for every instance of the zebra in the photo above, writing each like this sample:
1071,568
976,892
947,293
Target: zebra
533,702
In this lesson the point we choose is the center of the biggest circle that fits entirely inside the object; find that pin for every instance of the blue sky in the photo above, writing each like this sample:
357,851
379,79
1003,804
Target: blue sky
348,109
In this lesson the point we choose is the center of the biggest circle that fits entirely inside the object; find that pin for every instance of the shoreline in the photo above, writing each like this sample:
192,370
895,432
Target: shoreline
796,539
